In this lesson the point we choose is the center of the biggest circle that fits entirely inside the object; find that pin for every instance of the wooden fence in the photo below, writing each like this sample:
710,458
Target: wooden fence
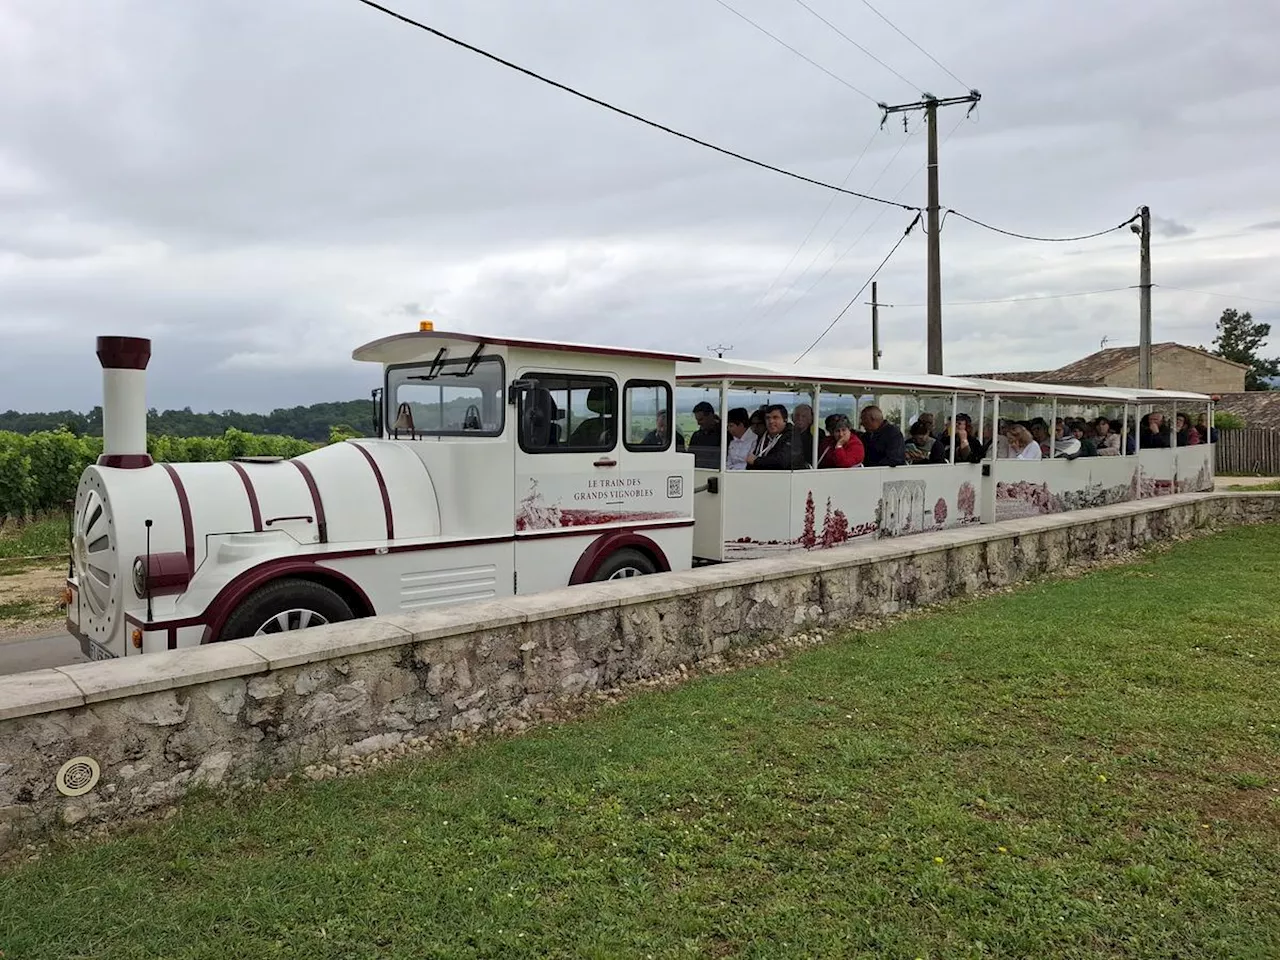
1249,451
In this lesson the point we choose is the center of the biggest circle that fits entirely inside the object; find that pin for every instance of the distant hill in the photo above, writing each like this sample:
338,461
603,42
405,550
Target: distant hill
305,423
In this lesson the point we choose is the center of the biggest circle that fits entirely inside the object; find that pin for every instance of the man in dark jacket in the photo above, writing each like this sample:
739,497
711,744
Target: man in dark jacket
883,441
969,449
774,449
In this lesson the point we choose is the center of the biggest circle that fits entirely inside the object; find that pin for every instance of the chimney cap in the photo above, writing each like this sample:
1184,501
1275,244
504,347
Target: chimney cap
124,353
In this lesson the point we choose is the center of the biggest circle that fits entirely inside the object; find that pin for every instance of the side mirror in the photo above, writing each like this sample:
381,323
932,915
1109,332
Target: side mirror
517,387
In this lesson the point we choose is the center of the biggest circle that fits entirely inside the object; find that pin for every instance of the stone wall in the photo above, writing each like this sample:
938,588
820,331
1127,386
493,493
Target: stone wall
1178,368
157,726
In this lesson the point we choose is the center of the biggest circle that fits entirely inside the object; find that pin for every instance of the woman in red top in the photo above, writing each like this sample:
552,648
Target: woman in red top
841,446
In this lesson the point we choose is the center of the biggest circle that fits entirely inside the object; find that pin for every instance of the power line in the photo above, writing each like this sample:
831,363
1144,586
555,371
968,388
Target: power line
1209,293
1023,236
779,40
830,201
856,44
866,4
892,250
830,240
627,113
849,249
1047,296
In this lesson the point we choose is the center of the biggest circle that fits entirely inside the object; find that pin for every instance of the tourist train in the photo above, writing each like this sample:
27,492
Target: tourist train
506,466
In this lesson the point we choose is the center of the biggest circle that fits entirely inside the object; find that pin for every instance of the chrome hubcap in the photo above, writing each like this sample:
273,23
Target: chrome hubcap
623,572
295,619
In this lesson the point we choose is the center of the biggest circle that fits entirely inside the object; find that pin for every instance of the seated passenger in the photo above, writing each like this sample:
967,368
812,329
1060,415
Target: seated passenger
1082,431
802,431
919,445
708,432
741,439
1106,440
841,447
969,449
1022,445
657,437
1187,434
773,450
884,444
1152,431
1039,429
1203,428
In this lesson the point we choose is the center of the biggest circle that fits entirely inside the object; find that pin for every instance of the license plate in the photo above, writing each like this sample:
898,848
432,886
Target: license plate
98,652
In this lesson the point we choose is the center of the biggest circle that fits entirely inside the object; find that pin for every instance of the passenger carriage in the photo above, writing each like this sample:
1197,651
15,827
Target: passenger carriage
755,513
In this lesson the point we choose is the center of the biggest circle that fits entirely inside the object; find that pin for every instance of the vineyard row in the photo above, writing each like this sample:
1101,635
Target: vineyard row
40,471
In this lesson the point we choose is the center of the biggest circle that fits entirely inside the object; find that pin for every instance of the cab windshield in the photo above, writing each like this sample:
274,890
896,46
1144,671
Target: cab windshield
448,398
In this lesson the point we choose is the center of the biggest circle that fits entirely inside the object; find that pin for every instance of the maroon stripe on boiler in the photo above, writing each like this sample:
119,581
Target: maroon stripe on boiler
184,504
382,489
316,502
254,508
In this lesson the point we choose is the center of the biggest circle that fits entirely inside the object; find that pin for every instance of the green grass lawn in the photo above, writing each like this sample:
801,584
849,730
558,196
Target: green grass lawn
1082,768
1256,488
34,538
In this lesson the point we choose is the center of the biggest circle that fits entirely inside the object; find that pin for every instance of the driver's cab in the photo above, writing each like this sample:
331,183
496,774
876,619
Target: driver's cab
539,441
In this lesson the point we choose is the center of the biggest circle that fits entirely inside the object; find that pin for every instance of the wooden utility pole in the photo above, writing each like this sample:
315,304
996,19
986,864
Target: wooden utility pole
1143,230
875,328
930,105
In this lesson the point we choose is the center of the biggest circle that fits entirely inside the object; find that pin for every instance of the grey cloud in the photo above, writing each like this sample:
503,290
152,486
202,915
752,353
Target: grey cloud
1165,227
261,188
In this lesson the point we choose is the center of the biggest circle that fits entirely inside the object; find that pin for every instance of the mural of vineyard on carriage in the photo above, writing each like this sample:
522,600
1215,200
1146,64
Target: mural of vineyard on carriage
1055,486
842,507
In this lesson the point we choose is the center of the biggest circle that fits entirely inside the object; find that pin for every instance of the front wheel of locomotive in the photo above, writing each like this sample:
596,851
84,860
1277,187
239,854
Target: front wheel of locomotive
288,604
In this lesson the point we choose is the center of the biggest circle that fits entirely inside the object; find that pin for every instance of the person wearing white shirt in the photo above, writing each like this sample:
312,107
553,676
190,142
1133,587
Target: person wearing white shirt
1022,444
741,439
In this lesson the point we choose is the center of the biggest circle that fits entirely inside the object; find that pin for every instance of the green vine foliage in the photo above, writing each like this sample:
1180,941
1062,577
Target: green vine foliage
40,471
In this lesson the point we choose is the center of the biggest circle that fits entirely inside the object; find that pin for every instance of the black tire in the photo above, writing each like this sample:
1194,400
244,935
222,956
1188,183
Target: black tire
624,560
285,599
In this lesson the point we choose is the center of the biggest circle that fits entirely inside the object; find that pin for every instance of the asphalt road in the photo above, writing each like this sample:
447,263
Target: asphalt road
37,653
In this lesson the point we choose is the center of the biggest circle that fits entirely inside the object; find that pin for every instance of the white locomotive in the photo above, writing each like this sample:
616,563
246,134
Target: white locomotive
502,466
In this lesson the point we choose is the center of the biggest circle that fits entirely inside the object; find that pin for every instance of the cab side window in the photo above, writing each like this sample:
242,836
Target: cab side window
567,413
647,411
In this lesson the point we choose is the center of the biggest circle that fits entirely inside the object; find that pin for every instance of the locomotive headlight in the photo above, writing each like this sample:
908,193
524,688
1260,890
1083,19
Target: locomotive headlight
140,577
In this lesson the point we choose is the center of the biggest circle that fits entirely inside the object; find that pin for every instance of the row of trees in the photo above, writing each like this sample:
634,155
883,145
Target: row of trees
39,471
306,423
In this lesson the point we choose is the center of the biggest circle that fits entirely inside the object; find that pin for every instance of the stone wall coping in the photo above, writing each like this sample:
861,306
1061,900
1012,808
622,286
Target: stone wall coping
332,641
37,691
44,691
157,672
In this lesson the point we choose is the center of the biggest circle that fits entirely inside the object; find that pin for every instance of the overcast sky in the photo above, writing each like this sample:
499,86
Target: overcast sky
260,187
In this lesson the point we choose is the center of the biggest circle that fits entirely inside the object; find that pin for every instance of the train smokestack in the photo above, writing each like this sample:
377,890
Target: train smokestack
124,401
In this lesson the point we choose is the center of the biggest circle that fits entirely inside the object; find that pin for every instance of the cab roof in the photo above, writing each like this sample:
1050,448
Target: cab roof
423,344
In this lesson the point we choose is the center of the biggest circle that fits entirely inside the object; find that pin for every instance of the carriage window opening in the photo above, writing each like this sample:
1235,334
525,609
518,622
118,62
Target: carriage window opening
647,406
566,413
458,398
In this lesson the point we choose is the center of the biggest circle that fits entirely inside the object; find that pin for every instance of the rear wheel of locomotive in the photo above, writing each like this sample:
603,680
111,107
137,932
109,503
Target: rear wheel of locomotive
623,564
283,605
